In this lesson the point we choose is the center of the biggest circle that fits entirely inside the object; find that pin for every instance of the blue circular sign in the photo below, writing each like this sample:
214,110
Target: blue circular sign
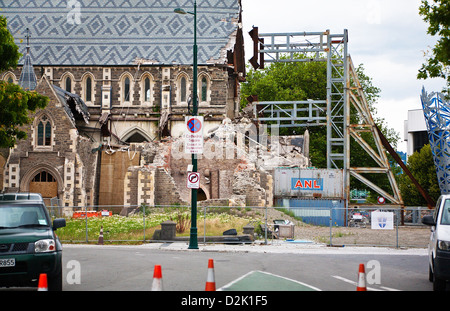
194,125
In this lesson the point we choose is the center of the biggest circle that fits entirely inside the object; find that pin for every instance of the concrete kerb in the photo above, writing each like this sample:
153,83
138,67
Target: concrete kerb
280,247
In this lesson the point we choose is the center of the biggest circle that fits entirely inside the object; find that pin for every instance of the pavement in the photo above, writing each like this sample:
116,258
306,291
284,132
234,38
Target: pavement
278,247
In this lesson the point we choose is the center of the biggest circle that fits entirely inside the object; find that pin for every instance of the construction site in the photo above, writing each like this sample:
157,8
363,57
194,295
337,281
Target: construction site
116,126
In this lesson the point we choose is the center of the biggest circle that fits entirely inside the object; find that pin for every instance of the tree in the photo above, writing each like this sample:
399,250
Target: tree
421,166
15,103
438,63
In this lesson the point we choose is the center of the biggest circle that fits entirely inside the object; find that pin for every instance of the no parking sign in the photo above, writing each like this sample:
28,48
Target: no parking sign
193,143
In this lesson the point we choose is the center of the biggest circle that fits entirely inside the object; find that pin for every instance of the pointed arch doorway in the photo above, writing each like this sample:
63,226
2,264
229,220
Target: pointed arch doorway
45,184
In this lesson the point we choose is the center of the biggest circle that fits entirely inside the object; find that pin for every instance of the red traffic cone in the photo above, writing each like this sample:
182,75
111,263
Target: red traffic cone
361,287
157,279
210,282
42,285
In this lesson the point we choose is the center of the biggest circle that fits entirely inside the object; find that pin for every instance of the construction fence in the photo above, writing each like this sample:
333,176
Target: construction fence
337,227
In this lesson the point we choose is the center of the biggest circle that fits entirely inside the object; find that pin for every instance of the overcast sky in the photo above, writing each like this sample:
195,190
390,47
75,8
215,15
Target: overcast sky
388,37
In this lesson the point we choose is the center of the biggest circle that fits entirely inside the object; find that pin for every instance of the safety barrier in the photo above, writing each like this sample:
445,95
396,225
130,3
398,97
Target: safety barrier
145,224
84,214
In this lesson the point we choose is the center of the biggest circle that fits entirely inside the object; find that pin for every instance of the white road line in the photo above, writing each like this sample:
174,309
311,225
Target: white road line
368,288
390,289
264,272
235,281
295,281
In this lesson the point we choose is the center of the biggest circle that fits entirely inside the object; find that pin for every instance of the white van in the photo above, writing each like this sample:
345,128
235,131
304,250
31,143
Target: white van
439,246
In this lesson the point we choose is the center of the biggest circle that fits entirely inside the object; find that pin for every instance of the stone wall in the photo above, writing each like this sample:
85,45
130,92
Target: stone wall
107,83
68,157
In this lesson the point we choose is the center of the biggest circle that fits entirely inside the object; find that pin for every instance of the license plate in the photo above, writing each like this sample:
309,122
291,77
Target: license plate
11,262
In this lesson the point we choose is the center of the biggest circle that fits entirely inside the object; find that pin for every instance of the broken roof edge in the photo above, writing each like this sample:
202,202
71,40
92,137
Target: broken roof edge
79,105
232,42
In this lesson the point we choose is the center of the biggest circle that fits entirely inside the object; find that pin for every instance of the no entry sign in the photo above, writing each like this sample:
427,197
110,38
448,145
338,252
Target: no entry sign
193,142
193,180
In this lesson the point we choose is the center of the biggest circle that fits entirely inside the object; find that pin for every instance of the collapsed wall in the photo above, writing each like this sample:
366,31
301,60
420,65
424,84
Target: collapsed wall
236,167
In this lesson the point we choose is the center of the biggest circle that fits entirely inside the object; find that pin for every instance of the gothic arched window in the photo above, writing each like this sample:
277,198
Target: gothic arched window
127,88
44,132
147,89
204,90
68,86
183,89
88,89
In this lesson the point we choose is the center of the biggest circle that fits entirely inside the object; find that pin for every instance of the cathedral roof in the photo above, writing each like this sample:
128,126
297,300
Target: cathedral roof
123,32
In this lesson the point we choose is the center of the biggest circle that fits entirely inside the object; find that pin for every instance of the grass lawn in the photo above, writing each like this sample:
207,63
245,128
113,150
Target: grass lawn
126,229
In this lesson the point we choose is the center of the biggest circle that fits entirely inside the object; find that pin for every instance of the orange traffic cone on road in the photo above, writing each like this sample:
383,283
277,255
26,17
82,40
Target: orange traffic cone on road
361,287
210,282
157,279
100,238
42,285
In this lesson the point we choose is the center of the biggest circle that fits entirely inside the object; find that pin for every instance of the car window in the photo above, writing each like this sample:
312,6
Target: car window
12,216
445,219
436,210
28,197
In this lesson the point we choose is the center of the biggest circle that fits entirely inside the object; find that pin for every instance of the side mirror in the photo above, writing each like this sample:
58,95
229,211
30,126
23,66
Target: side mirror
59,223
428,220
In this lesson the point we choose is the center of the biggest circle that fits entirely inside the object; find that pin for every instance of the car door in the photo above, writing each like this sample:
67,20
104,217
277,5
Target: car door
433,235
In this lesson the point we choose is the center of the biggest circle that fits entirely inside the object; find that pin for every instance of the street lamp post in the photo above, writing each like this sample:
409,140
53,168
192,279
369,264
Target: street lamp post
193,242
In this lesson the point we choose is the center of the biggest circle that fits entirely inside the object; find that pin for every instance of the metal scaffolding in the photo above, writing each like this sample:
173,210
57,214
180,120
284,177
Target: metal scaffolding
343,91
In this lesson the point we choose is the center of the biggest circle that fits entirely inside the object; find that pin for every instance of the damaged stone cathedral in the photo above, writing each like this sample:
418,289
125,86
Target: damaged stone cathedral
119,77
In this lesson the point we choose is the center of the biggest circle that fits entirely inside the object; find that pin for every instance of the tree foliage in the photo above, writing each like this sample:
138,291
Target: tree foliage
421,166
15,103
437,14
9,51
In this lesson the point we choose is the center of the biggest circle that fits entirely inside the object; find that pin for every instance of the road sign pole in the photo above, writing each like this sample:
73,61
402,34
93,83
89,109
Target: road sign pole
193,242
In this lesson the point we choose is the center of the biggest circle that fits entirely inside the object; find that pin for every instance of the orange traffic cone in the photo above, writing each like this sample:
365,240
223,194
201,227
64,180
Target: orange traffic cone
157,279
100,238
42,285
361,287
210,282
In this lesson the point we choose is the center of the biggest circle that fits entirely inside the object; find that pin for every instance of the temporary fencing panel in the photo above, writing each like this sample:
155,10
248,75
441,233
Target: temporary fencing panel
316,211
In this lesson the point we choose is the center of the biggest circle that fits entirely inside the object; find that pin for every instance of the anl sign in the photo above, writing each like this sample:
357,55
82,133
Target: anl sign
315,184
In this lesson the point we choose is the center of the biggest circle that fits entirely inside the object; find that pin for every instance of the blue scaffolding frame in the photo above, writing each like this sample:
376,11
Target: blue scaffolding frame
436,109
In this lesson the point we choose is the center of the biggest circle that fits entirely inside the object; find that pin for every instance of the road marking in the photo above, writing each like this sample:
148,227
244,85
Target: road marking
390,289
368,288
260,280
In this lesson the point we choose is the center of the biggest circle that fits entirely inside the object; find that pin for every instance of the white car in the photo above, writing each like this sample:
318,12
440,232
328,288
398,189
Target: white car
439,246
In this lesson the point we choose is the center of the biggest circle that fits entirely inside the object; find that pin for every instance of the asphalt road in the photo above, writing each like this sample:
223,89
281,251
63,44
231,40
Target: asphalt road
130,268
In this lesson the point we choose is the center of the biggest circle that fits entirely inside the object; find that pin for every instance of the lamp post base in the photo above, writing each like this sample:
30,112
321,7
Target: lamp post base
193,242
